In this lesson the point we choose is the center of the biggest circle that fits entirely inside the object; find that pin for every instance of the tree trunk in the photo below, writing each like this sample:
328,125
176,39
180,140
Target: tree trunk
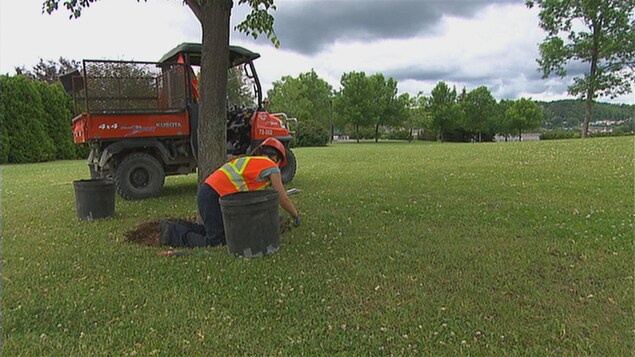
357,131
212,135
588,110
377,133
520,134
595,53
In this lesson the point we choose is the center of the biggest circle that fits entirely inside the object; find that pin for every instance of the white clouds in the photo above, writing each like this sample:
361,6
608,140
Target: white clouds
417,43
108,29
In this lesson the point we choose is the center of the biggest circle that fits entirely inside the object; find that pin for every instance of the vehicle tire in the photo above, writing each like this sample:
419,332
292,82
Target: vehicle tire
139,176
288,170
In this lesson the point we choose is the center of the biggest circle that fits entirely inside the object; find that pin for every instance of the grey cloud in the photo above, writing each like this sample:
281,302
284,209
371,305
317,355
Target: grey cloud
490,72
502,87
508,77
516,87
574,69
418,74
533,73
309,26
578,68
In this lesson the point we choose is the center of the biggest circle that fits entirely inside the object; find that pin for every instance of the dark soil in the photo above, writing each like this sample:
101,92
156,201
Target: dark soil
148,233
145,233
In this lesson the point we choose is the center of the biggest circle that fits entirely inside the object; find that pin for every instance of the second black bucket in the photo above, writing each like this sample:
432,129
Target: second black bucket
251,223
94,199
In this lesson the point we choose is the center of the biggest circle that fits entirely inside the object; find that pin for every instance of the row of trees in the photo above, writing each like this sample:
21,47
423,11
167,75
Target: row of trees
49,71
365,104
605,41
364,107
35,121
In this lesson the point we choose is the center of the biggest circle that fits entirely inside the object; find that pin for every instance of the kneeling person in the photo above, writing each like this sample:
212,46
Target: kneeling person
258,171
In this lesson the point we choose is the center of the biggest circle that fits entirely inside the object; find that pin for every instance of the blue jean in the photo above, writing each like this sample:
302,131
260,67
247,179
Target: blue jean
211,233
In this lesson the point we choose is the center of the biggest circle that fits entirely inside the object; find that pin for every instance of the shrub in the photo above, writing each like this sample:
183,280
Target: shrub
24,131
399,135
364,133
58,115
310,133
36,122
607,134
556,135
427,135
4,137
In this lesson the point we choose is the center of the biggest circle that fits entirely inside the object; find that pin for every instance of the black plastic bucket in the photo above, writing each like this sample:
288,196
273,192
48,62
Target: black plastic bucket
251,223
94,199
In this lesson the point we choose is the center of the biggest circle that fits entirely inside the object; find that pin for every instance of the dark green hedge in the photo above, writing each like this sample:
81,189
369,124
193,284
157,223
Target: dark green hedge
399,135
35,121
558,135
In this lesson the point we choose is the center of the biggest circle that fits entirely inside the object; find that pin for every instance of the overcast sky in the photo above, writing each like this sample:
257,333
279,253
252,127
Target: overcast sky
466,43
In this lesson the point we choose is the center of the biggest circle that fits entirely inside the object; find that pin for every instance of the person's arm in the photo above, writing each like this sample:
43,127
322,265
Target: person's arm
285,202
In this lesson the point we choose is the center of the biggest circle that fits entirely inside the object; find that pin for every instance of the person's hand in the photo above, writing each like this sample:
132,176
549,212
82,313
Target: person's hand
297,221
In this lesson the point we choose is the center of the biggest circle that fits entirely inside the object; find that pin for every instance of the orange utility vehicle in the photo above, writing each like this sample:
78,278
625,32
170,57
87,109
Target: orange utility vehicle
140,119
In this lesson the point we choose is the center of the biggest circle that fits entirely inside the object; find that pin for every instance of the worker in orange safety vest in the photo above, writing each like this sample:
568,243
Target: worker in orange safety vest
258,171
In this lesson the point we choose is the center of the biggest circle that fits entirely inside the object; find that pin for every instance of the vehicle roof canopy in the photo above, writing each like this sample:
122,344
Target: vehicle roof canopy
237,55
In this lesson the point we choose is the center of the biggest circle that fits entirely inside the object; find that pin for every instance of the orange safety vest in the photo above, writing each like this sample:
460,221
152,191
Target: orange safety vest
242,174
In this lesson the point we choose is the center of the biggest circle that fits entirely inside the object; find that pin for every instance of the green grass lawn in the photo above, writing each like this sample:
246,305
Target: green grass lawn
406,249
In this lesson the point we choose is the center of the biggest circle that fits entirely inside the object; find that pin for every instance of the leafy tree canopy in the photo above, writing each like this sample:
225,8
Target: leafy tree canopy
307,97
479,107
600,33
352,104
523,114
49,71
445,111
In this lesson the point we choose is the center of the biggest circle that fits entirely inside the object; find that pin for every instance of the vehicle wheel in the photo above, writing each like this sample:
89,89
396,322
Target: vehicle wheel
139,176
288,171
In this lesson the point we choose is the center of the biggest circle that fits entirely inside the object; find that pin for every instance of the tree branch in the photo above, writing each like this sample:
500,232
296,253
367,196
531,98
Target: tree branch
196,8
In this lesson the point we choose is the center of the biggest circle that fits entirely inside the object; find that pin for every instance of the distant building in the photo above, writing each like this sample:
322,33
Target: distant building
525,137
604,126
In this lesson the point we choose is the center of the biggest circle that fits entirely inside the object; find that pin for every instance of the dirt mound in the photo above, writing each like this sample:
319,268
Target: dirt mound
145,233
148,233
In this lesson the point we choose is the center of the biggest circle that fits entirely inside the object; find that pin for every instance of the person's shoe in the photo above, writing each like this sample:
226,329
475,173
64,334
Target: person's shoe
164,232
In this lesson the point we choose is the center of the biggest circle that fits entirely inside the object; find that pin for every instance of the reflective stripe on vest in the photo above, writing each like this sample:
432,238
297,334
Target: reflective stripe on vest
241,174
234,171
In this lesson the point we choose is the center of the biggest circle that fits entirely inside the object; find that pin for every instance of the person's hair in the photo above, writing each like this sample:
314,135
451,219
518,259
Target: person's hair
269,151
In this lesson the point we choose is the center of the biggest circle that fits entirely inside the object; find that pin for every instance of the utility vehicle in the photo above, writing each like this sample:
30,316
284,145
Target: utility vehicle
140,119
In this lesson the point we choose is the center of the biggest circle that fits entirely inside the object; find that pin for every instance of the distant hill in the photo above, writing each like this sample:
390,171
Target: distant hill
568,114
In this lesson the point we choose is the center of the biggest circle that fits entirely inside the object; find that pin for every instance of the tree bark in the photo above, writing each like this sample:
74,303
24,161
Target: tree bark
587,114
212,126
196,8
595,53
